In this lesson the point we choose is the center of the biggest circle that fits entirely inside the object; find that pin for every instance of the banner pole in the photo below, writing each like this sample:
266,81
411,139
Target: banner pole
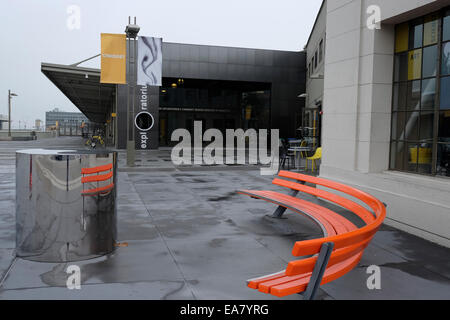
131,32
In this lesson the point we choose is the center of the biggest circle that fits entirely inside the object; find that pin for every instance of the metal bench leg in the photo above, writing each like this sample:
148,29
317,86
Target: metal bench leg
319,270
278,214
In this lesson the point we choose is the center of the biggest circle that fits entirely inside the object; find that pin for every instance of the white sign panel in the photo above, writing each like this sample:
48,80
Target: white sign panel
149,61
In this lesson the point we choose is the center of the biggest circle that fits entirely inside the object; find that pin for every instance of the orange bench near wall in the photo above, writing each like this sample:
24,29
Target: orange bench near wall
332,256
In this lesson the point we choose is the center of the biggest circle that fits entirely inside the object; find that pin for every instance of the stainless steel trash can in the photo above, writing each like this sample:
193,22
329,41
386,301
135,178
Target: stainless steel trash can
65,204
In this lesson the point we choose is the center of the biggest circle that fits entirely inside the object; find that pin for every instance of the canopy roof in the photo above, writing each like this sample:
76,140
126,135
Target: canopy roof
83,88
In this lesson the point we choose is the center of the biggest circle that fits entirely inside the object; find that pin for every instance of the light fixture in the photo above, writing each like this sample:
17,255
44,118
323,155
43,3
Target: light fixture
303,95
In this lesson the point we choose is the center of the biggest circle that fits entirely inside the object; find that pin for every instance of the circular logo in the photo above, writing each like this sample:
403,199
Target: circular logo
144,121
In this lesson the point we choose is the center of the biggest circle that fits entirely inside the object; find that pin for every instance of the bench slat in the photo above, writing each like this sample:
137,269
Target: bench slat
359,210
299,206
371,201
332,273
298,267
265,287
339,223
254,283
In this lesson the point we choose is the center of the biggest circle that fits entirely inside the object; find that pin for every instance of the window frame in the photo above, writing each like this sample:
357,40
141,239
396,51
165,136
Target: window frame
395,112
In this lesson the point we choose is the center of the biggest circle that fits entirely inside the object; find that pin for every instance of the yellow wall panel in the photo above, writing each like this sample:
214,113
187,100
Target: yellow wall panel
402,37
415,64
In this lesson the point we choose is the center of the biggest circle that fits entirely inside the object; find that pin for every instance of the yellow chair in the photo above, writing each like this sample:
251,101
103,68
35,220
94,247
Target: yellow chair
302,145
317,155
424,155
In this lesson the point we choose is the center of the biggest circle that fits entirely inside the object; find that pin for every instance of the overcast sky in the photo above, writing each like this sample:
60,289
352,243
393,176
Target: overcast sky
35,31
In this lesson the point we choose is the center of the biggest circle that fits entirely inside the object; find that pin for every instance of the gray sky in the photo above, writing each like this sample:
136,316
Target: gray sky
35,31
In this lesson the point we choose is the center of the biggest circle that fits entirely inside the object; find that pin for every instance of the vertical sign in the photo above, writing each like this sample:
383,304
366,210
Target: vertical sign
149,61
146,120
113,58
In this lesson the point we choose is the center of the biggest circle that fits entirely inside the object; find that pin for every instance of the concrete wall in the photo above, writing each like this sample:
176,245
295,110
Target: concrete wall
357,117
314,87
39,134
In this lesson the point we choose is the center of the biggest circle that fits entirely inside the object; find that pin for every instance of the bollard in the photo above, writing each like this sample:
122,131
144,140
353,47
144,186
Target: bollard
65,204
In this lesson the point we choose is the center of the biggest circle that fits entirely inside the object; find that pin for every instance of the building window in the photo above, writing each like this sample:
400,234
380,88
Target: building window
313,64
321,50
315,60
420,135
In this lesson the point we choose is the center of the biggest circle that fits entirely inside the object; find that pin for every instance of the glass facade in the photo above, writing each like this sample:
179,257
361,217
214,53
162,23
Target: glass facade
217,104
420,137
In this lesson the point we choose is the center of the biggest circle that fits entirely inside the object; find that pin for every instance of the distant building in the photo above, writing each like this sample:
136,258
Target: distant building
64,118
3,122
38,124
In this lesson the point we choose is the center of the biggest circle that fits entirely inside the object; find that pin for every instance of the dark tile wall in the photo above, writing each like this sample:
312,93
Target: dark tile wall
284,70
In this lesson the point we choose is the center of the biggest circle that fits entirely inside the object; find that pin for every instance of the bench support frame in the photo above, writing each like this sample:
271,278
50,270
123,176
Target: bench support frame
278,214
319,270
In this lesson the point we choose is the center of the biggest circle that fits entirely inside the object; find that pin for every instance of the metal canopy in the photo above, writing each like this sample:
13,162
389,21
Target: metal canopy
83,88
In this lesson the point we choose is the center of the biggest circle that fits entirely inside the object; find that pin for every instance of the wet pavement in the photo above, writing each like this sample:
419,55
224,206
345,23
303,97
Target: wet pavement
190,236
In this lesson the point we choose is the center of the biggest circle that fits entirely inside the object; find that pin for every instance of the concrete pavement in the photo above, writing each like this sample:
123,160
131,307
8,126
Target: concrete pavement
190,236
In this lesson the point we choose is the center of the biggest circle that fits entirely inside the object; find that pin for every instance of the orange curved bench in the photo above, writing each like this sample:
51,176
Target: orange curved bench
342,245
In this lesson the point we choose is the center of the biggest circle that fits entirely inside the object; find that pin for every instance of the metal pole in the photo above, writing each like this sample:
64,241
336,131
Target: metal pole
9,113
131,31
130,138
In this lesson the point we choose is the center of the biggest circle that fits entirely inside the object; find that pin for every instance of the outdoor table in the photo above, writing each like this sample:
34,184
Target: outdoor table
65,204
295,142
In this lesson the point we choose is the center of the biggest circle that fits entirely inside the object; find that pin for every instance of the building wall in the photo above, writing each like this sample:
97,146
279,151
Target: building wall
284,70
357,116
314,75
71,118
314,87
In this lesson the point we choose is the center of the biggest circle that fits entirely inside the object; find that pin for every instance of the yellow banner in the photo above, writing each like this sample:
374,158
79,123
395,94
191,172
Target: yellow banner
415,64
113,63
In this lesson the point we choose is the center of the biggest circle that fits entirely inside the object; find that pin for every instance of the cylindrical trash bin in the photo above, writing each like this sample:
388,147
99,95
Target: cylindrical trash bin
65,204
